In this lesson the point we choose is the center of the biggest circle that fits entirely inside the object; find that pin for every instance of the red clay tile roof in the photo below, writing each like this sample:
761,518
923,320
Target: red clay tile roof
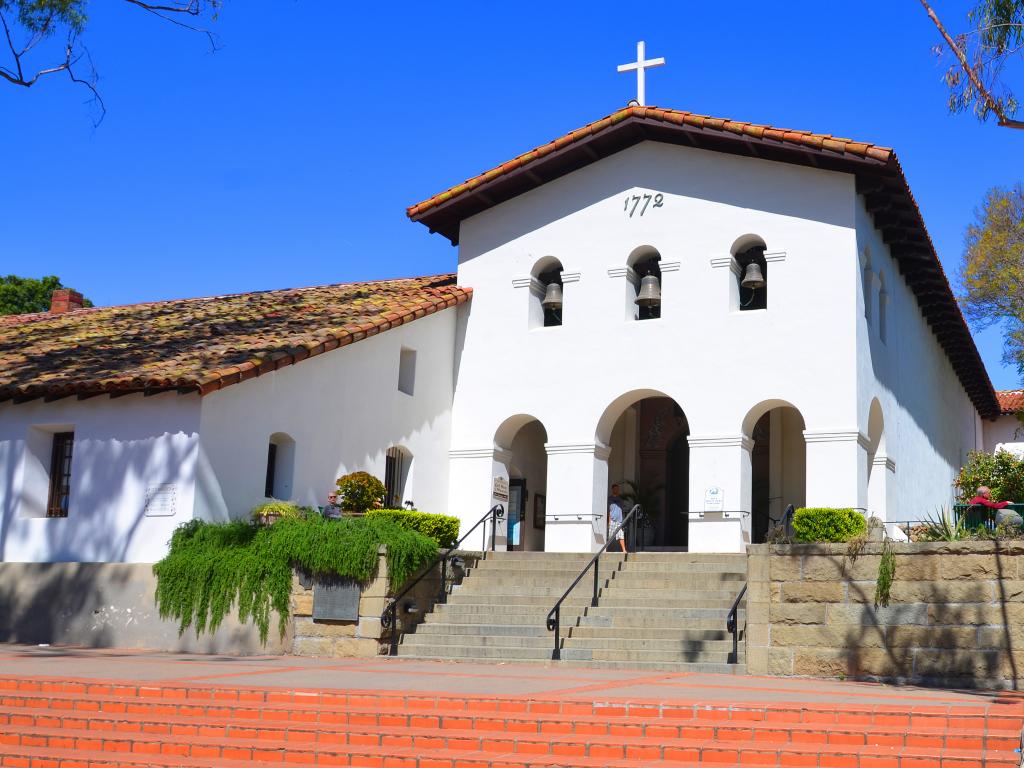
879,179
1011,401
205,344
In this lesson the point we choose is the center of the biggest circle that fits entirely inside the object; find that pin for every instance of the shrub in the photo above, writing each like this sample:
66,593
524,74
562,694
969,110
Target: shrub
827,524
212,567
1002,472
443,529
360,491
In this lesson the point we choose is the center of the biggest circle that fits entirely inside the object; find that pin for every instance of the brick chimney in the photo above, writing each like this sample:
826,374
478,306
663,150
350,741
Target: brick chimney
65,300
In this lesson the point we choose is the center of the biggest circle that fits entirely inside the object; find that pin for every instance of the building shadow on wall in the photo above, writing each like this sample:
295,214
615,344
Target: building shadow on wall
954,633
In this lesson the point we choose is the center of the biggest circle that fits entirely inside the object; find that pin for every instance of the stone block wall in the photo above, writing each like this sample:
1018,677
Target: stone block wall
365,636
955,617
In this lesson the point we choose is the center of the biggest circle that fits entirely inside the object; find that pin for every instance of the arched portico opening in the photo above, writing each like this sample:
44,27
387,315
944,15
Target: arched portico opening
878,463
647,432
778,464
519,450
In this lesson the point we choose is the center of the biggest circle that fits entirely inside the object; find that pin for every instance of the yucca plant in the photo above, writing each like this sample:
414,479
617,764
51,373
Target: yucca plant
943,527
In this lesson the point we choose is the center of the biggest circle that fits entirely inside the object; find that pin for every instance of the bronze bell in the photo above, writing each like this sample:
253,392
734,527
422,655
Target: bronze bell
753,278
650,292
552,296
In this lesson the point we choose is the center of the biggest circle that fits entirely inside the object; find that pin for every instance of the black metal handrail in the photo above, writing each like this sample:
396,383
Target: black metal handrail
731,625
389,617
555,614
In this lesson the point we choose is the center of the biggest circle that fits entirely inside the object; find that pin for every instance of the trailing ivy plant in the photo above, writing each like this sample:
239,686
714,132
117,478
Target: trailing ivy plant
212,567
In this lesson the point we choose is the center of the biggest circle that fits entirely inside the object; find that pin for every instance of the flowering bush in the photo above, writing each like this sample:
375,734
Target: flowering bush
360,491
1002,472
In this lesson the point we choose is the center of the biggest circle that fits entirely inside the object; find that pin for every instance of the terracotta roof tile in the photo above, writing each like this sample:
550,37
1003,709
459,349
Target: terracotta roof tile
203,344
1011,401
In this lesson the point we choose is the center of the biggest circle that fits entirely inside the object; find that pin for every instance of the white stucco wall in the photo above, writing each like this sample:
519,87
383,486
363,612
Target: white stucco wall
121,447
343,409
929,421
1005,429
718,363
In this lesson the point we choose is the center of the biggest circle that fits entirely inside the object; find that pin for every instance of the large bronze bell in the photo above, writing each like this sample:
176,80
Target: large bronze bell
753,277
650,292
552,296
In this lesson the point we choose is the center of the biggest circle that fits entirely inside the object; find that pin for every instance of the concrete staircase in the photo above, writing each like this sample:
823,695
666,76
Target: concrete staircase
657,610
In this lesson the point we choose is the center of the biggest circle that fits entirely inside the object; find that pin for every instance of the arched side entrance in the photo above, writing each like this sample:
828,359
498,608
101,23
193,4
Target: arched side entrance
519,451
880,466
650,457
778,464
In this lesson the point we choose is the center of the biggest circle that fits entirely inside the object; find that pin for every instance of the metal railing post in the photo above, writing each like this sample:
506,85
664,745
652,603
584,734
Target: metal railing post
556,654
593,599
442,594
494,527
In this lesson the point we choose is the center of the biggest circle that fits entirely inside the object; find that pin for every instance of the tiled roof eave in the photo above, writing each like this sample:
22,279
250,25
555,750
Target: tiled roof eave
188,372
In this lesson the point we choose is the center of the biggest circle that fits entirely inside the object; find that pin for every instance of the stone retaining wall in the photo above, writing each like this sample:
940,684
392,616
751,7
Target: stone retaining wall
365,636
956,614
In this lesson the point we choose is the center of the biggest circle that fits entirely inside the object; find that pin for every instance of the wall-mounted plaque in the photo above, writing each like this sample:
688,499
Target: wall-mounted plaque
500,490
161,500
714,499
336,599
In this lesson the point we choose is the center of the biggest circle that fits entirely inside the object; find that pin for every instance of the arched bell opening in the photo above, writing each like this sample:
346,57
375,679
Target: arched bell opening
643,297
520,454
546,293
778,464
649,458
751,273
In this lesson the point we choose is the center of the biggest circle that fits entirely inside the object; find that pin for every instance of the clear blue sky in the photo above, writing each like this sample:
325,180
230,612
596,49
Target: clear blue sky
288,157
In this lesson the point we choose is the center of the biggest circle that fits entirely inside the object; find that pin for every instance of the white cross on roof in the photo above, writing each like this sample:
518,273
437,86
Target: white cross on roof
640,65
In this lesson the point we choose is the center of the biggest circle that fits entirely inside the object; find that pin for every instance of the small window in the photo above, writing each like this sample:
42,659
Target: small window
867,284
396,474
60,474
883,307
407,371
268,488
280,467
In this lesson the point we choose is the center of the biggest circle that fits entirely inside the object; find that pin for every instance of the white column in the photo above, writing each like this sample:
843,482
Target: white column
576,505
471,483
837,468
881,487
720,461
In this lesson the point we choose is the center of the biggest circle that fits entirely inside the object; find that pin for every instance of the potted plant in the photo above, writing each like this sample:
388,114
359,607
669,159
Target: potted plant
274,510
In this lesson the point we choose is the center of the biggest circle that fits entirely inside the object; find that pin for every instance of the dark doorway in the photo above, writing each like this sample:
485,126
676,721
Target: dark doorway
677,501
760,484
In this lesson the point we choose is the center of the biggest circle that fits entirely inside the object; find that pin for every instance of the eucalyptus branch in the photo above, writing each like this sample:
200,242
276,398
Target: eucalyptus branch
980,89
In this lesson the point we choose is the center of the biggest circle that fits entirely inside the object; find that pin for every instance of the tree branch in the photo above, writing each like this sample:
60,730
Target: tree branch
979,87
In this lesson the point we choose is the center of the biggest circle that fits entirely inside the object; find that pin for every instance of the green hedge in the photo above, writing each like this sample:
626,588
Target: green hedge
828,524
443,529
212,567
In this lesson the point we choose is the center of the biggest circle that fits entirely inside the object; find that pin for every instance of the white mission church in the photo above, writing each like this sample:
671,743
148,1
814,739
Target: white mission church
731,316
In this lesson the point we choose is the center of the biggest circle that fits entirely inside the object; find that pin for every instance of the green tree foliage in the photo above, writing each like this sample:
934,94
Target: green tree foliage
992,271
212,568
44,37
828,524
1002,472
980,56
21,295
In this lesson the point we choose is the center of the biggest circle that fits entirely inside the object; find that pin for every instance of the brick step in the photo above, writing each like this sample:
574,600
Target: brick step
468,745
341,746
624,730
327,706
43,757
